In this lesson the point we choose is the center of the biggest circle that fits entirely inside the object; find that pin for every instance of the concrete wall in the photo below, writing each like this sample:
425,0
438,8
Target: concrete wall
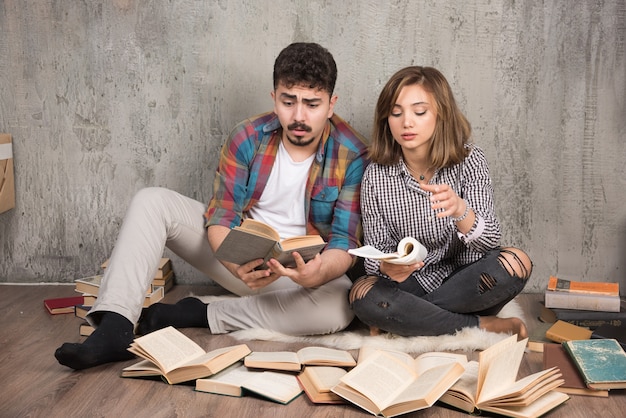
106,97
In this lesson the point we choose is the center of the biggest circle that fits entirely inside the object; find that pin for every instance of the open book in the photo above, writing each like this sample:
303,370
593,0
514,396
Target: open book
317,382
490,384
237,379
177,358
254,239
294,361
409,251
388,384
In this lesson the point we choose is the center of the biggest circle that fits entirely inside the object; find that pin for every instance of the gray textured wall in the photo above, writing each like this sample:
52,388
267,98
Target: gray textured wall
106,97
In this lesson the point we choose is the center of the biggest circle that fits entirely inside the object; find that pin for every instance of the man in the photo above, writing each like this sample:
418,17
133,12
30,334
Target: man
298,169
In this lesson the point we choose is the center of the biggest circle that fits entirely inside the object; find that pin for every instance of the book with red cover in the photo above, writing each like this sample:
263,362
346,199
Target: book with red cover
62,305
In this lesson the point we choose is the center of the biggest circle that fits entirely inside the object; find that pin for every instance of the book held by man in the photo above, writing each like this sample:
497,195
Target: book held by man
294,361
237,380
177,358
254,240
385,384
490,384
409,251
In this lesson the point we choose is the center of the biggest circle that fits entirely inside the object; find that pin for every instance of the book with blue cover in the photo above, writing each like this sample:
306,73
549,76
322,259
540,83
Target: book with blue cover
601,362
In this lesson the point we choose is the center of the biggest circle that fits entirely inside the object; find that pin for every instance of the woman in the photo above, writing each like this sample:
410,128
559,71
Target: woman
426,180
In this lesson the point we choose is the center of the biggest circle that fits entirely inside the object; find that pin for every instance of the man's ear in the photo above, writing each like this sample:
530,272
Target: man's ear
331,108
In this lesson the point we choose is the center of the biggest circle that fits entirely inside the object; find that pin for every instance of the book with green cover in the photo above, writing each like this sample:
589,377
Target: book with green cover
601,362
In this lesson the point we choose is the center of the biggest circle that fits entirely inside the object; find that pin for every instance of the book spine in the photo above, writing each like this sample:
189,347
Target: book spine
596,288
565,300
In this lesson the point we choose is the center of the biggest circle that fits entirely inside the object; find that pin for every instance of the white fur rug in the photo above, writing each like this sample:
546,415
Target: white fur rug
467,339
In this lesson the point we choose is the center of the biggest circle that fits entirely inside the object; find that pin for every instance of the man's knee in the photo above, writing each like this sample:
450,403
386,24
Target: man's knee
361,287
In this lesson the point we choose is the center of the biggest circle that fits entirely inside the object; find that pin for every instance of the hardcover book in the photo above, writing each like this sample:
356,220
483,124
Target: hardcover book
490,384
237,380
386,385
254,240
63,305
317,382
588,319
582,301
177,358
554,355
601,362
564,331
600,288
294,361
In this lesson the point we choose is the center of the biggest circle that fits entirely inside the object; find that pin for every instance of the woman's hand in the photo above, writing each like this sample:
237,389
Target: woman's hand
398,272
445,201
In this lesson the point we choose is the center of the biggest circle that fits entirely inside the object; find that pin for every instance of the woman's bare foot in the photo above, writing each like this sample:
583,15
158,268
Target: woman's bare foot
512,325
374,331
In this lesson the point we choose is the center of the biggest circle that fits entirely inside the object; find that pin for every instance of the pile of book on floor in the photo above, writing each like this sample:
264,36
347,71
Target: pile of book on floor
381,381
90,286
586,304
592,362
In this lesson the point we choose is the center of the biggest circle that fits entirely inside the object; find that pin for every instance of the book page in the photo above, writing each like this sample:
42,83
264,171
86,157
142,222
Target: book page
264,357
324,377
324,355
259,228
367,351
427,361
466,385
380,378
169,348
498,367
429,387
276,386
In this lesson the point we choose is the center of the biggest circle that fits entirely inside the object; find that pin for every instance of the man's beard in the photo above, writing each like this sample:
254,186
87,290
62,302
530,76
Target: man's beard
299,141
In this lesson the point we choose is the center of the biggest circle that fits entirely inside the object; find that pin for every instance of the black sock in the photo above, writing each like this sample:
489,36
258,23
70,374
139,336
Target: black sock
108,343
186,313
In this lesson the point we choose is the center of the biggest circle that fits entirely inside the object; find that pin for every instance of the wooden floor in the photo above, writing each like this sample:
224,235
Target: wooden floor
33,384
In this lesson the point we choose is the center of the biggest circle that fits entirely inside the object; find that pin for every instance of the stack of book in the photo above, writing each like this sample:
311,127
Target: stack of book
164,276
586,304
90,286
590,367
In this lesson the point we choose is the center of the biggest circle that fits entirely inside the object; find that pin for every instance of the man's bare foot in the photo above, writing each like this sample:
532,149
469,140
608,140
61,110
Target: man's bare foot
374,331
512,325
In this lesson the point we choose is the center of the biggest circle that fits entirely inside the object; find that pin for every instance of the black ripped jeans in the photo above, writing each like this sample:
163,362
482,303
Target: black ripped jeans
478,289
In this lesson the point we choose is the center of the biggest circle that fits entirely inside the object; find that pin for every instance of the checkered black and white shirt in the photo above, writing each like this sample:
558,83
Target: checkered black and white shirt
394,206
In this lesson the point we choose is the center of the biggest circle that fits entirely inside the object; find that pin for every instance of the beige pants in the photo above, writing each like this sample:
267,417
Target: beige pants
160,217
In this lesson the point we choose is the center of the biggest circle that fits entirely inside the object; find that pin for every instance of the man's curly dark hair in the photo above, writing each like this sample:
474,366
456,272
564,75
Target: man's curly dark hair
306,64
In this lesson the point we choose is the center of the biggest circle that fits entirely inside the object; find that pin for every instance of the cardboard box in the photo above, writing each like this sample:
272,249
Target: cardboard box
7,181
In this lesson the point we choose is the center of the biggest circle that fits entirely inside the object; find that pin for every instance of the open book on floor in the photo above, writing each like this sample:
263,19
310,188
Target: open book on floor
294,361
409,251
490,384
177,358
390,383
317,382
237,379
253,240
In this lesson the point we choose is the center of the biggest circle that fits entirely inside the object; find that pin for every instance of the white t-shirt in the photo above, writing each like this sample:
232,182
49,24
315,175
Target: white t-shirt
282,203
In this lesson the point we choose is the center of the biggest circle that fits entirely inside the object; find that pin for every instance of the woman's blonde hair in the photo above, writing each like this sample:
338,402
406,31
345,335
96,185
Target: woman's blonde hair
452,129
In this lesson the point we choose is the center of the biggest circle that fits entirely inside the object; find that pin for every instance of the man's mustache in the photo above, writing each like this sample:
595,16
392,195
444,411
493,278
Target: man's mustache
299,125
